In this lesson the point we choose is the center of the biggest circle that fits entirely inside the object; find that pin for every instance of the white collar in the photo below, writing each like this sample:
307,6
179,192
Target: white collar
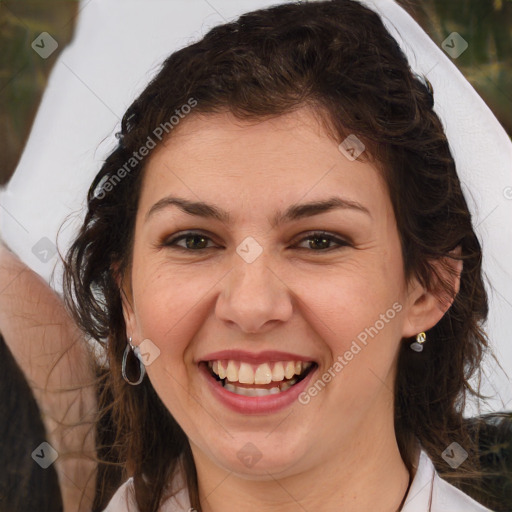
430,493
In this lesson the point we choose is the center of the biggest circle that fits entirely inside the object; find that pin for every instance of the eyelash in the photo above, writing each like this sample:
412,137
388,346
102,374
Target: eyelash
171,243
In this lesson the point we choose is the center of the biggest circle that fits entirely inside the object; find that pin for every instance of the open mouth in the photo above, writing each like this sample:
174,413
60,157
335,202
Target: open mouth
253,380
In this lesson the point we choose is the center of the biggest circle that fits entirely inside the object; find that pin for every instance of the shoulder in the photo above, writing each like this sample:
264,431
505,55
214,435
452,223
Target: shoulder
124,499
430,492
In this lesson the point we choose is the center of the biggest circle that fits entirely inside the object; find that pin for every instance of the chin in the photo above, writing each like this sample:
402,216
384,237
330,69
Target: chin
255,456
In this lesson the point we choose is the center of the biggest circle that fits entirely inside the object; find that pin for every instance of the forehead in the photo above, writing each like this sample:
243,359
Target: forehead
258,165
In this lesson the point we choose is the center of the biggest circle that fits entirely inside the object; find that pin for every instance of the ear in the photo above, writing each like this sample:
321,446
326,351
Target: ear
123,283
427,307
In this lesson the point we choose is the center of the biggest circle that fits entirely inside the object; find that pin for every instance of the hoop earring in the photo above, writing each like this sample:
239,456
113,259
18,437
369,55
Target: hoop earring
142,368
417,345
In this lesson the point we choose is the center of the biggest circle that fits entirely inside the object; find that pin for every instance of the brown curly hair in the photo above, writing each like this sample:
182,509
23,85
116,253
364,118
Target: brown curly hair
337,58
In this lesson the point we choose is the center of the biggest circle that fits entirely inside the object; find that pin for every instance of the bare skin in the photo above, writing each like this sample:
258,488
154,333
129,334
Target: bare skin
338,452
53,355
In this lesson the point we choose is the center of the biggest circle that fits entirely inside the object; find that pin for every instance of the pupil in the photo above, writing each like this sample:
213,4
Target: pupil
324,240
194,237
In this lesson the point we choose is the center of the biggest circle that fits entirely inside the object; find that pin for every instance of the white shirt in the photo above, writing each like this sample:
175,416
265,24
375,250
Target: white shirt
426,485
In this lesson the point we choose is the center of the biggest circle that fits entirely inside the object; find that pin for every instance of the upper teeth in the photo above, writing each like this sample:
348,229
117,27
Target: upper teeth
246,373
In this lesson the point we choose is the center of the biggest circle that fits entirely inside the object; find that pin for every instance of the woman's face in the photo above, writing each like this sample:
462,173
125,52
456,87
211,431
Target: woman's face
253,294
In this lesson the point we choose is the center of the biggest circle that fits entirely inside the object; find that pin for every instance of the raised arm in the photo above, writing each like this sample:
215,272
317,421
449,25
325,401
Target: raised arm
58,365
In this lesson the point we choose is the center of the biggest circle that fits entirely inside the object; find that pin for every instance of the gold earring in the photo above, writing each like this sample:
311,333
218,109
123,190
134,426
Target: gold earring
417,346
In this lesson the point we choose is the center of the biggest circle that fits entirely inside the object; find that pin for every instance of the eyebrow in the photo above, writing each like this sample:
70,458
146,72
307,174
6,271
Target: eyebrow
294,212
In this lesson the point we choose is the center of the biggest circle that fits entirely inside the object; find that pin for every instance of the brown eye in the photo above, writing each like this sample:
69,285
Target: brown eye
321,242
193,241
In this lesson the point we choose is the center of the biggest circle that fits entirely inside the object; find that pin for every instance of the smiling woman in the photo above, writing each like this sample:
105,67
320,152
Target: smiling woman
256,257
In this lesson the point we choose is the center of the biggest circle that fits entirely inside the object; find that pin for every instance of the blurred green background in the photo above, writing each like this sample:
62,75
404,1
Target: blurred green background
485,24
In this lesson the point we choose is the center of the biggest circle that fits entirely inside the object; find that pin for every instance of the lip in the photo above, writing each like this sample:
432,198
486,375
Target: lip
255,404
250,357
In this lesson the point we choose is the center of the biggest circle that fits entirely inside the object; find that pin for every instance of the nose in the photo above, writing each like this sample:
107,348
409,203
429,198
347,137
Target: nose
254,297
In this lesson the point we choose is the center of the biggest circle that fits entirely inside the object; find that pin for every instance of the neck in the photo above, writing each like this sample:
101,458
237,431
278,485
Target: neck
367,476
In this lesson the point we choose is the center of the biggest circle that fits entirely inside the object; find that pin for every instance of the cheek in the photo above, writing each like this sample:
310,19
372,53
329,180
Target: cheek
163,306
172,305
343,301
358,317
167,315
